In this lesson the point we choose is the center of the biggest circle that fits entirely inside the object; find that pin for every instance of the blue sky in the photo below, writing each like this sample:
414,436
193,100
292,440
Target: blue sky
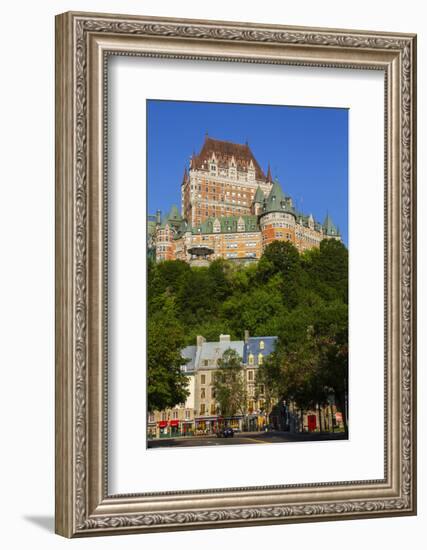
306,147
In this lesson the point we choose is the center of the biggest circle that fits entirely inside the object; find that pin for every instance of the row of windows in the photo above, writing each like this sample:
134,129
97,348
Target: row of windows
235,255
167,416
215,409
218,186
232,172
221,211
250,373
281,224
238,237
280,235
251,358
203,393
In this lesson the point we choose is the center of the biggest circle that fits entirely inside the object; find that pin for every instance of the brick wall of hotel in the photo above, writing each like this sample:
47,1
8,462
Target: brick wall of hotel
201,412
231,209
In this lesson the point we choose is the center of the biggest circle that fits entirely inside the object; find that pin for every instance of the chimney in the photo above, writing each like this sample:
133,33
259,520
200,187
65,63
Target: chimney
200,341
224,337
158,217
246,336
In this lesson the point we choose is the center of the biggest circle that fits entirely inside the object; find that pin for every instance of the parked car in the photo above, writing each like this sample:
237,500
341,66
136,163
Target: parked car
225,432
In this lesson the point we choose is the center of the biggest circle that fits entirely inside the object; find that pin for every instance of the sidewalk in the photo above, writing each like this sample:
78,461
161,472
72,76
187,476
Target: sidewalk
201,436
297,435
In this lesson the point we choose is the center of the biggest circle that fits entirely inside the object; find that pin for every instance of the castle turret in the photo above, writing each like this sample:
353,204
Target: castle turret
269,178
277,217
329,228
258,201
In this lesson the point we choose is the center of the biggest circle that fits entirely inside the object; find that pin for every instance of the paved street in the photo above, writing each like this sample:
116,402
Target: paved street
243,439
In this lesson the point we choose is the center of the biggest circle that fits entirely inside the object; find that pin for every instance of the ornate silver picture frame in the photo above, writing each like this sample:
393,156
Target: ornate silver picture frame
84,42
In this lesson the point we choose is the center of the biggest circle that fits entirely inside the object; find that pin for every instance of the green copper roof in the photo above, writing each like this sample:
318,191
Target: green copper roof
174,213
227,224
173,217
277,201
259,195
329,227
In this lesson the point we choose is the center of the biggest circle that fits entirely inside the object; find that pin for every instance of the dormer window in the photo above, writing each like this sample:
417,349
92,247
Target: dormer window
261,344
251,359
251,171
216,226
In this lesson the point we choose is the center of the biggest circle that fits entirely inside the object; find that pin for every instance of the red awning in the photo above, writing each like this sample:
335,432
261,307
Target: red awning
174,422
163,424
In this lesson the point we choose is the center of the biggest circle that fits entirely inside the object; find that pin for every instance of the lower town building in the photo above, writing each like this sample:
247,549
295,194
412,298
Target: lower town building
201,413
178,420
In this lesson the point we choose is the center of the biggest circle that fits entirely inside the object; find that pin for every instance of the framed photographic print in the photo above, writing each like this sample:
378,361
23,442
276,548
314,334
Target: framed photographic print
235,274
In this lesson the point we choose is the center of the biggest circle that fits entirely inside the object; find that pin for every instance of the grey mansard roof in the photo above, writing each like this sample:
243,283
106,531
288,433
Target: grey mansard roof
253,346
213,351
189,353
207,355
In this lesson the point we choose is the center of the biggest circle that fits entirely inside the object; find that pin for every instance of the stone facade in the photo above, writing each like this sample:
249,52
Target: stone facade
230,209
201,413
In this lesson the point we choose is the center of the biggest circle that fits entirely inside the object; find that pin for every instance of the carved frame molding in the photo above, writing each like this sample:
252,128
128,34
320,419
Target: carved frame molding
83,43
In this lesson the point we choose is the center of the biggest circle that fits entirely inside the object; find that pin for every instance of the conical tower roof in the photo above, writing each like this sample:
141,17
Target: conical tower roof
259,195
329,228
185,175
174,213
275,197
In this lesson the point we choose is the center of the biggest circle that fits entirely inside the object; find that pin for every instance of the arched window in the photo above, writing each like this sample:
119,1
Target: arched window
251,359
260,359
261,344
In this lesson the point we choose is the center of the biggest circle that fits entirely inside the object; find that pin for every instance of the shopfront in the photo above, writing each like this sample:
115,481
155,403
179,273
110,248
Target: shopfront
163,428
174,428
187,427
206,426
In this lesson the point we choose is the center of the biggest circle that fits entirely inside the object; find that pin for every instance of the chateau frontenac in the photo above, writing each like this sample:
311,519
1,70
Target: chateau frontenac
231,209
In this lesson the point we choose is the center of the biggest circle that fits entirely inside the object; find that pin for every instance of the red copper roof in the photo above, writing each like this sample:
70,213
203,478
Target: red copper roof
224,151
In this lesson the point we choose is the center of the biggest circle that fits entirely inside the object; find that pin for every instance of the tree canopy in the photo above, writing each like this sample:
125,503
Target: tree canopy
230,385
301,298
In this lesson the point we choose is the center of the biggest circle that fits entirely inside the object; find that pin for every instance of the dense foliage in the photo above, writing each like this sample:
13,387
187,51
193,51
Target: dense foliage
301,298
230,386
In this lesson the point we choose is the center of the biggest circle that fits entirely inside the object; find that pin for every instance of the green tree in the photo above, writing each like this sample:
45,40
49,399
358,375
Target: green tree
166,383
301,298
327,268
268,376
282,258
230,385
